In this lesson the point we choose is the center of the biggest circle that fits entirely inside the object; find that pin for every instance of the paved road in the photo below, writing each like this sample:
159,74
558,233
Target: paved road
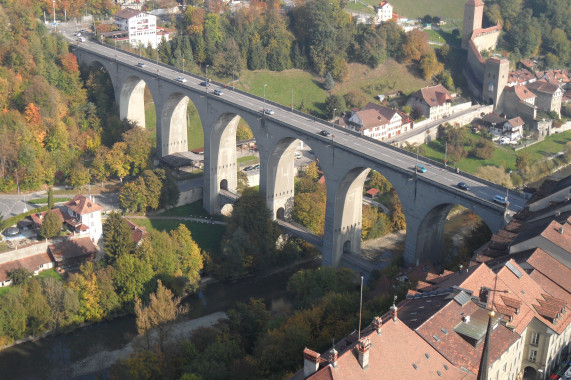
310,125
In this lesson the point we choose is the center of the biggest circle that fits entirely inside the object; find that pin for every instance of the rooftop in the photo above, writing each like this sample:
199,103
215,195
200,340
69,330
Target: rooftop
82,205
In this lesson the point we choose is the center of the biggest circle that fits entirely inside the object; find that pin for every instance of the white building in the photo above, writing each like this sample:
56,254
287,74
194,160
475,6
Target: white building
378,122
384,12
84,217
138,28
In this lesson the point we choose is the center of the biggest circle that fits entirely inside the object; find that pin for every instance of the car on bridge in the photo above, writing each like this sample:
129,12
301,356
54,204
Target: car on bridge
499,199
420,168
204,84
325,133
463,186
141,64
268,111
218,92
181,79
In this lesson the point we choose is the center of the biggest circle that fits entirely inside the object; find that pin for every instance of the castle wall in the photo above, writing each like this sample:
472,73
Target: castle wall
486,39
513,107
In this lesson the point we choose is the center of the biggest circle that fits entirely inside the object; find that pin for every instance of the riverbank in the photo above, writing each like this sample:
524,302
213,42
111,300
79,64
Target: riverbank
180,329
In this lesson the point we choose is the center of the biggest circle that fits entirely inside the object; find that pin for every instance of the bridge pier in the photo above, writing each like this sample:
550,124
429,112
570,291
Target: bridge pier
132,101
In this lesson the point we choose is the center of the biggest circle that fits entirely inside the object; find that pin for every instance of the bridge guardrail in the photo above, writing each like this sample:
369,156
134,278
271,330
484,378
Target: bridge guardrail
329,124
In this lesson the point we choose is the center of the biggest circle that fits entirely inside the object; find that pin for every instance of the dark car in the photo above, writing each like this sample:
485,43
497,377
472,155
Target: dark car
204,84
248,168
463,186
325,133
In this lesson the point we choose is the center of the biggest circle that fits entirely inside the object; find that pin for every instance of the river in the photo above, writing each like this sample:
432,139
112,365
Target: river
58,357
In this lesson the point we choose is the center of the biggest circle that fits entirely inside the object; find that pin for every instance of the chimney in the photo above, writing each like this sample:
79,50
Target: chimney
310,362
333,357
466,319
363,352
377,323
393,311
561,230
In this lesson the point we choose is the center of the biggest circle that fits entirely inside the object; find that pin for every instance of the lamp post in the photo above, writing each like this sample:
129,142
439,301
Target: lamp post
446,154
334,109
183,64
54,8
292,100
265,84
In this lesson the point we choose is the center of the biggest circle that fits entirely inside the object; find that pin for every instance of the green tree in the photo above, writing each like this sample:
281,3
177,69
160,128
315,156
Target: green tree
170,192
328,83
483,150
51,202
79,176
117,237
334,104
133,196
138,148
189,255
19,275
249,320
355,98
242,181
51,226
131,277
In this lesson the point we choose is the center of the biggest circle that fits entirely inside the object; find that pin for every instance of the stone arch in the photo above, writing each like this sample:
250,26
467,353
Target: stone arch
280,214
430,232
224,184
173,121
348,211
220,155
280,175
132,100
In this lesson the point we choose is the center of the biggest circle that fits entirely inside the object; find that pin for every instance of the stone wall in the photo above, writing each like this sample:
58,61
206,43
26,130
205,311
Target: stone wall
189,196
24,252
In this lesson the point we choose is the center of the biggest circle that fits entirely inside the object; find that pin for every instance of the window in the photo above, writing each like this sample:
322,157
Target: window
532,355
534,339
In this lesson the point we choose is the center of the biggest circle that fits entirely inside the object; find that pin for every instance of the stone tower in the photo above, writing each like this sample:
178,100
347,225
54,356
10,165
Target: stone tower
495,80
473,13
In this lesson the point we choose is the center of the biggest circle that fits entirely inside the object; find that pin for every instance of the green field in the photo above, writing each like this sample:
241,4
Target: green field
50,273
503,156
359,7
193,209
45,200
279,87
207,236
4,247
446,9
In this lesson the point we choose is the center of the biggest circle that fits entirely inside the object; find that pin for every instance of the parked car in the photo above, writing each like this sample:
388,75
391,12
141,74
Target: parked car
499,199
268,111
83,31
325,133
256,167
181,79
218,92
297,155
463,186
420,168
248,168
141,64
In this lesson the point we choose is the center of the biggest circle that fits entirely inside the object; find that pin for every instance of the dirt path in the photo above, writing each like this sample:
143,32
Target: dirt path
377,248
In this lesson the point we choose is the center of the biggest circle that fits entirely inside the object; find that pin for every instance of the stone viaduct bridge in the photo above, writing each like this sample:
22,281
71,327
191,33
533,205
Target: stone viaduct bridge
345,157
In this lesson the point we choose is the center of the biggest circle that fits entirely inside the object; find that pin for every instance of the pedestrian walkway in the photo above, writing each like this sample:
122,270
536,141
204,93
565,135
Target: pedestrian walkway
185,218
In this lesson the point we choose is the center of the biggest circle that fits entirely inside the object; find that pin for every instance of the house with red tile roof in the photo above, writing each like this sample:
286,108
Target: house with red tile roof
549,96
386,349
72,252
83,216
436,102
537,320
138,232
34,263
378,122
384,12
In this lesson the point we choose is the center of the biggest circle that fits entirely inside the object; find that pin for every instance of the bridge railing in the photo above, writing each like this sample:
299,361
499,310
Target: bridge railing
441,165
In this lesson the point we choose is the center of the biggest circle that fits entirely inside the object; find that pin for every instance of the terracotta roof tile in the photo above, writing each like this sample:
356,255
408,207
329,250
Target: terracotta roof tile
31,263
81,205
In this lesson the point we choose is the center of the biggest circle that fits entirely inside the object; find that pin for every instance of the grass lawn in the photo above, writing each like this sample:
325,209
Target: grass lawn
194,209
5,290
359,7
207,236
503,156
446,9
279,87
50,273
4,247
45,200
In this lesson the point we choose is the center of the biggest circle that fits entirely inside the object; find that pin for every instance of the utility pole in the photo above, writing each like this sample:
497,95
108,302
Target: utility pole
292,100
446,154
